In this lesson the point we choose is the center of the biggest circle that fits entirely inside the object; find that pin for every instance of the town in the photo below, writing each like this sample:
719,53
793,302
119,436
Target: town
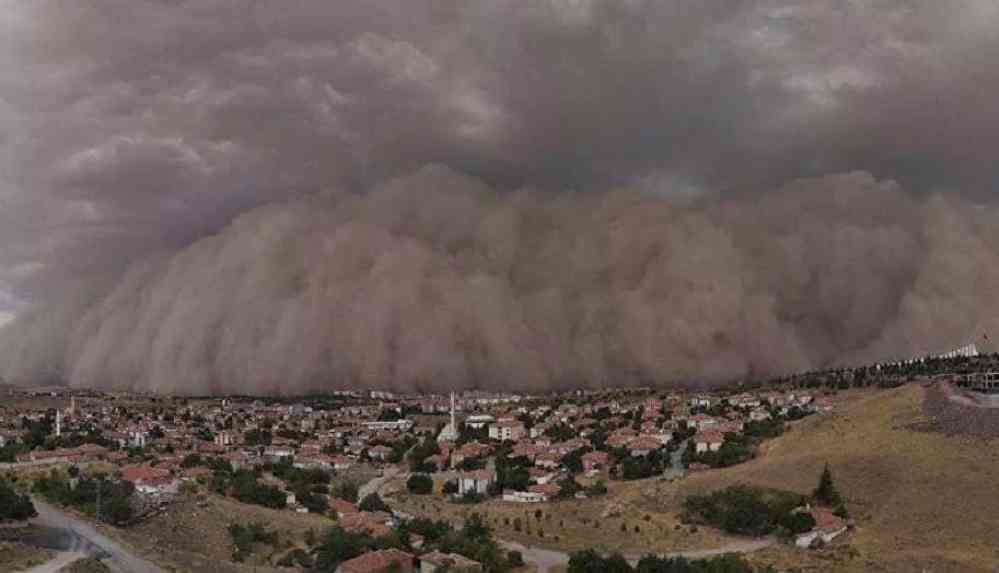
366,482
339,455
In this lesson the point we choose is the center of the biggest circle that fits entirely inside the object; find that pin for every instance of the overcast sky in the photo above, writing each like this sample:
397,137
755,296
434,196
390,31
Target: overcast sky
134,128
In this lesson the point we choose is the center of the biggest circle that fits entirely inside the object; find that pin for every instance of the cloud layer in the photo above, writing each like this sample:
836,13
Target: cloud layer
220,196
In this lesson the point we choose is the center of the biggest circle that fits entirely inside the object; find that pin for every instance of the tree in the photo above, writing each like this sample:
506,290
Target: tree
420,484
373,502
476,528
14,506
825,493
346,491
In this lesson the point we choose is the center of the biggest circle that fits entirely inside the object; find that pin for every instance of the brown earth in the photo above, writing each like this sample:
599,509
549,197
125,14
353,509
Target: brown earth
192,536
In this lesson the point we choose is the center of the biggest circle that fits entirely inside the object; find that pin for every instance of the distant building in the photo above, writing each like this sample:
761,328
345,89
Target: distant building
505,430
476,482
479,421
966,351
827,527
708,441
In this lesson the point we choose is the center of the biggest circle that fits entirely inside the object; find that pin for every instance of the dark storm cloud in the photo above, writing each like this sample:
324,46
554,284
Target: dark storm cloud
138,128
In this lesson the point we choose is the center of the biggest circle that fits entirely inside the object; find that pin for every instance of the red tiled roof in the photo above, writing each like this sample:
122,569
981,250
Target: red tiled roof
378,561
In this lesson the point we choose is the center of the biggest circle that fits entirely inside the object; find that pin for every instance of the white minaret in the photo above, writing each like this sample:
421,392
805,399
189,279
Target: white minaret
454,425
58,423
72,405
450,431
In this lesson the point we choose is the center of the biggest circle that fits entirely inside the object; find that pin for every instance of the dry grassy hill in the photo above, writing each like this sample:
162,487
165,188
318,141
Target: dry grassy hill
194,537
923,501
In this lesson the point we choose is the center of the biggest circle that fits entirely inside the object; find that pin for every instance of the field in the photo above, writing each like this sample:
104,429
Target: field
193,535
608,523
921,500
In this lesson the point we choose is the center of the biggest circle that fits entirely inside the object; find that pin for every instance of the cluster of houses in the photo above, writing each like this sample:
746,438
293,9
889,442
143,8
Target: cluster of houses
554,439
362,430
636,427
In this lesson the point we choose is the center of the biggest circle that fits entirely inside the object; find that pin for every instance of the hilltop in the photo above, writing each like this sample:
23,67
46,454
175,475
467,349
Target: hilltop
922,500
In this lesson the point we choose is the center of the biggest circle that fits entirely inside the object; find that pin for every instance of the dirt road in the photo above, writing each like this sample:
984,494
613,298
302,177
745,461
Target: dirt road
90,541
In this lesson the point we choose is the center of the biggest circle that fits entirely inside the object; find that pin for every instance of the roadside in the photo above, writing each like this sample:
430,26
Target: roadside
61,560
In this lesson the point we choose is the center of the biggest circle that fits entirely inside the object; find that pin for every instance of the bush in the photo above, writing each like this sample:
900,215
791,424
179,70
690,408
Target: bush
515,558
14,506
373,502
243,539
743,510
296,558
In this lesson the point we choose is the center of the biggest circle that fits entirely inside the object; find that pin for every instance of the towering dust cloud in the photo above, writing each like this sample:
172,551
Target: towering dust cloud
209,197
435,281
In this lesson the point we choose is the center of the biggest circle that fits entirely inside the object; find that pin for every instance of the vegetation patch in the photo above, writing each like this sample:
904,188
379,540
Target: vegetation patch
590,561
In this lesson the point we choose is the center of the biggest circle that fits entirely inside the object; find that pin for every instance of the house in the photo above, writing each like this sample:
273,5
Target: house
702,422
237,459
137,438
223,439
476,482
505,430
548,490
759,415
374,524
380,453
470,450
643,446
342,507
9,437
342,463
827,527
524,496
595,461
708,441
480,421
150,480
436,561
379,562
278,453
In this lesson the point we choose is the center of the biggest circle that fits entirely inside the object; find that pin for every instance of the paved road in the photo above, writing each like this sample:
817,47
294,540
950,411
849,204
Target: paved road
56,563
545,559
86,536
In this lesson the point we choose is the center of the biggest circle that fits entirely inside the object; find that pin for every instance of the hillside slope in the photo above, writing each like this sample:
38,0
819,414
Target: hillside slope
922,500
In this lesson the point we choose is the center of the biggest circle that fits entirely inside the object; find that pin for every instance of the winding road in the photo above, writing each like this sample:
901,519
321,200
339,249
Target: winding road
84,538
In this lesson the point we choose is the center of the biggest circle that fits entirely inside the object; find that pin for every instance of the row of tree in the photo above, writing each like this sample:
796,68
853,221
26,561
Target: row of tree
590,561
